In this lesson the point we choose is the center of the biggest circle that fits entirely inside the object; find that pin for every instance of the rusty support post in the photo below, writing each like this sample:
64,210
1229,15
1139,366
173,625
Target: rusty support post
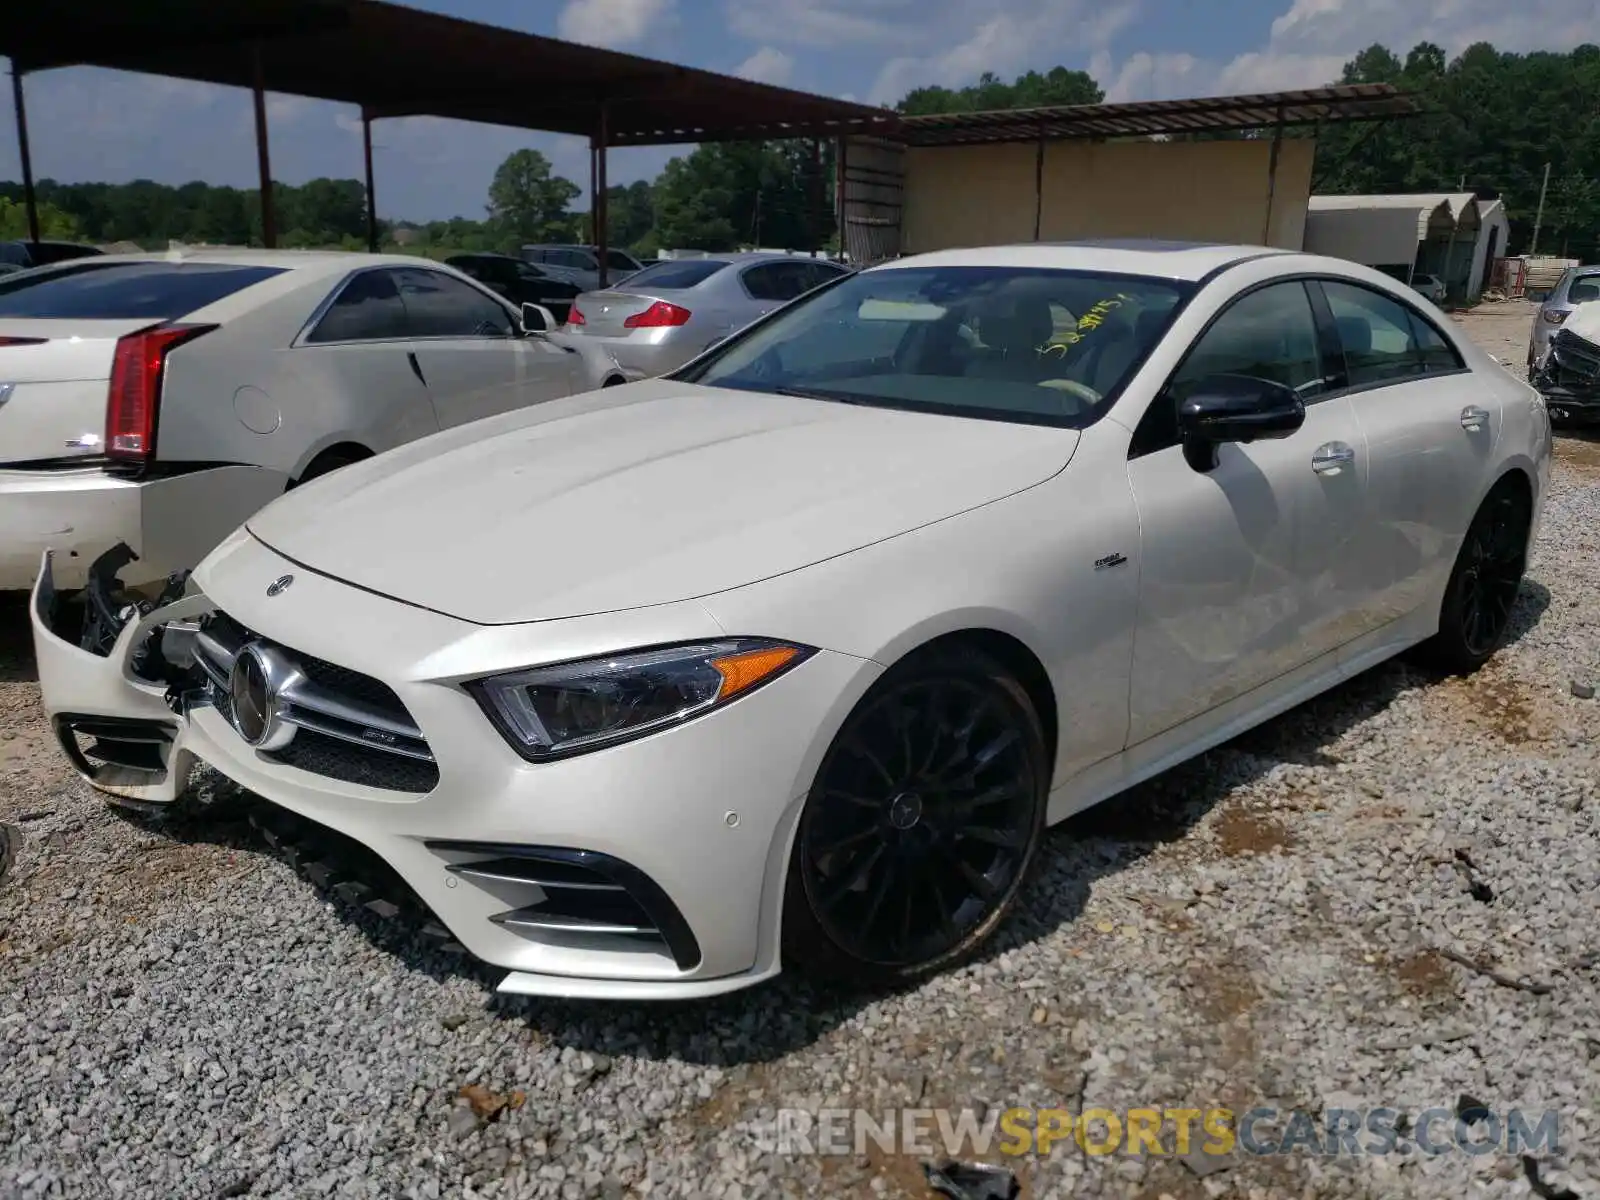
602,215
372,195
815,222
29,200
841,164
1038,184
269,226
1272,177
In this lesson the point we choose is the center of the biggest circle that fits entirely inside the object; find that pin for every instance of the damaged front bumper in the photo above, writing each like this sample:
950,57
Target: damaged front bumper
614,875
1568,377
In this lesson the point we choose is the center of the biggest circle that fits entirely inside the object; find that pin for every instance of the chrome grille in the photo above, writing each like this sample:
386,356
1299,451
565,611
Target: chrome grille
348,726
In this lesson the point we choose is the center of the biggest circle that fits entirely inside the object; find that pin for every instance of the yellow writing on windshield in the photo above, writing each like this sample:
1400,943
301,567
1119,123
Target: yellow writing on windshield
1063,340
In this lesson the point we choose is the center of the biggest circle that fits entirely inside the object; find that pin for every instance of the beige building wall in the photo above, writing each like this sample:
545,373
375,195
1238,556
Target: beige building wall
1196,191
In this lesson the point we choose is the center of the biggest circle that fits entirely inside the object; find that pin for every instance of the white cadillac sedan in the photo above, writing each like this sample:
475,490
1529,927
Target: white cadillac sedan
789,659
160,399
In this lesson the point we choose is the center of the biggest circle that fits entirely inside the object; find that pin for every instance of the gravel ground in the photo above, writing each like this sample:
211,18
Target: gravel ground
1283,923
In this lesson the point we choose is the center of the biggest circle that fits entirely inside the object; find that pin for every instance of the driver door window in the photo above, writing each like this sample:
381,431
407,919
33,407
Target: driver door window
1268,334
438,306
468,352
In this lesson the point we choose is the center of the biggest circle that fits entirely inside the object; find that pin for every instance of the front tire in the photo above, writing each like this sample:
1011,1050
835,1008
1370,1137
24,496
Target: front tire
921,826
1483,584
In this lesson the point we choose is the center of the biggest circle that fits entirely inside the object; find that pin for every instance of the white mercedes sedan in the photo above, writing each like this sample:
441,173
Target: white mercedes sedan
788,659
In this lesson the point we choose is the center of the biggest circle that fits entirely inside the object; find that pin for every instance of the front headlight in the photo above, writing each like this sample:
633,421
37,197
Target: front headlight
551,712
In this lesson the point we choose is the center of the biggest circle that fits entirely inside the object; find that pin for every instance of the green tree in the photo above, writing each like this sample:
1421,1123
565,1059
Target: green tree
53,223
1032,90
528,202
1490,123
730,194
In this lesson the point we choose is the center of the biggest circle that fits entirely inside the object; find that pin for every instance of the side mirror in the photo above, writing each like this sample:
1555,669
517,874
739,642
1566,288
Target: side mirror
1235,408
536,318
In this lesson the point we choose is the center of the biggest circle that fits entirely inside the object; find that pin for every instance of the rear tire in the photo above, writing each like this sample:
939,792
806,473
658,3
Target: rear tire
1483,584
921,826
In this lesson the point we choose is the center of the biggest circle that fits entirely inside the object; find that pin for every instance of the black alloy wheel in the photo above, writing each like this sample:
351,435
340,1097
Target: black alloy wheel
1484,584
924,818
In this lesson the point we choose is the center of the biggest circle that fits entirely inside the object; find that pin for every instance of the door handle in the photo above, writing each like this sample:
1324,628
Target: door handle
1474,418
416,367
1332,457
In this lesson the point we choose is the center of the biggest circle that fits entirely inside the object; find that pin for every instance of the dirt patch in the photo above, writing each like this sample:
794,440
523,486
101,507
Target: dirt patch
1426,976
1223,991
1242,832
1494,703
1581,453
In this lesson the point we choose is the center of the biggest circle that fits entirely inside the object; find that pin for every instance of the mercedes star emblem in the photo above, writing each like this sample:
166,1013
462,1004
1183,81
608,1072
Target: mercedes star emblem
258,675
279,585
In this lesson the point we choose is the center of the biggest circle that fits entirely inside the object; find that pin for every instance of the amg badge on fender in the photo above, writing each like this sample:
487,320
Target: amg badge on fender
1110,560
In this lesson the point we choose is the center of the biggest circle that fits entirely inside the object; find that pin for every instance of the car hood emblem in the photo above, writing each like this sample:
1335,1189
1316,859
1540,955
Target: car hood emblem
279,585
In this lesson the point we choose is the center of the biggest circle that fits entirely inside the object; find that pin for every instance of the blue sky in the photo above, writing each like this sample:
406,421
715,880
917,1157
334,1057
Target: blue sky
101,125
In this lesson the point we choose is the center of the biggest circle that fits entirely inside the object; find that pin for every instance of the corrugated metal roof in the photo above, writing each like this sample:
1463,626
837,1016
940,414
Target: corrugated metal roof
1268,110
398,61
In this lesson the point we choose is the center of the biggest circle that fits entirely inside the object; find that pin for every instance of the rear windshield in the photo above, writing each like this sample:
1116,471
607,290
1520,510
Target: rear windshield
95,289
672,276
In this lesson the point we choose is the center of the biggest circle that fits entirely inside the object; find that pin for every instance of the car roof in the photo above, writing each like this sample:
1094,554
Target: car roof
328,262
1190,261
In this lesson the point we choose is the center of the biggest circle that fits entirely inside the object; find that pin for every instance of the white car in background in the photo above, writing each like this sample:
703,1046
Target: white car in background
160,400
790,658
1430,287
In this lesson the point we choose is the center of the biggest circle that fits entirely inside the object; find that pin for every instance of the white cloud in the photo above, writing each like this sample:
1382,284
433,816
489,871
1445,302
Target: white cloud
1346,26
767,65
1311,40
826,24
612,23
953,46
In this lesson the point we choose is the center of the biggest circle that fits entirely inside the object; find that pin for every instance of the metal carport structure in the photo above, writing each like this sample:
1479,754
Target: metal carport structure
394,61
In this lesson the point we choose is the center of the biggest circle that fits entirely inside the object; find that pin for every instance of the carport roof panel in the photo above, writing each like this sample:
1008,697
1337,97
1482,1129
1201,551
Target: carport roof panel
398,61
1344,102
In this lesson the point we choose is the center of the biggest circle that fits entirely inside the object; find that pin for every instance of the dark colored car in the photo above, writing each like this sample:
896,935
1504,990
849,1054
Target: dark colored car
24,254
519,282
583,263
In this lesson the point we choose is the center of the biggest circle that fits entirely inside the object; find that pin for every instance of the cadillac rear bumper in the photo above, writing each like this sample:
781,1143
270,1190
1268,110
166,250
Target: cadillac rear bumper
82,512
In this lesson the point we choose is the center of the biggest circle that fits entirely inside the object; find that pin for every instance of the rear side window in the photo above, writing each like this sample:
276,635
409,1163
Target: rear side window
368,309
1584,289
616,260
819,273
98,289
1384,340
778,281
672,276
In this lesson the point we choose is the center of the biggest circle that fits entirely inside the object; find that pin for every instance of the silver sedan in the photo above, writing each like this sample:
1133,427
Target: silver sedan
669,312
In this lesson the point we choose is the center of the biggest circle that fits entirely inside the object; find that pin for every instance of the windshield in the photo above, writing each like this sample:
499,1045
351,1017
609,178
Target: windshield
1006,343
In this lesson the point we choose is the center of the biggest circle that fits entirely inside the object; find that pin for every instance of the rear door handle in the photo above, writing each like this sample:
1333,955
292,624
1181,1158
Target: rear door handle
416,367
1332,457
1474,418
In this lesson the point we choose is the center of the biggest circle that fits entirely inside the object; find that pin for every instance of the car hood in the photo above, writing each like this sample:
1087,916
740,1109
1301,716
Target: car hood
645,494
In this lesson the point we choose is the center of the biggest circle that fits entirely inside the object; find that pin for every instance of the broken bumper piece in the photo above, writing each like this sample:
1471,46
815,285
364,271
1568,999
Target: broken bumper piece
585,878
